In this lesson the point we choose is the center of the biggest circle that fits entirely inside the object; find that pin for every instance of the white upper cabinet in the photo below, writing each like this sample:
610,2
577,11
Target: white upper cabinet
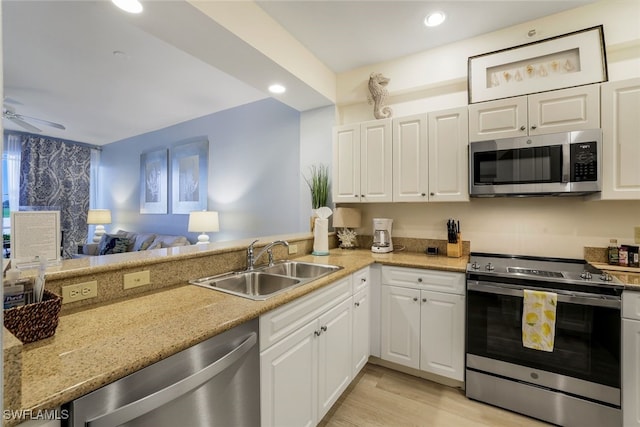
448,155
430,157
548,112
621,142
410,159
376,161
362,162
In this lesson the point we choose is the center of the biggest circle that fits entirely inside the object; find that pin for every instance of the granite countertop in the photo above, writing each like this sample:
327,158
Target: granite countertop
630,276
98,345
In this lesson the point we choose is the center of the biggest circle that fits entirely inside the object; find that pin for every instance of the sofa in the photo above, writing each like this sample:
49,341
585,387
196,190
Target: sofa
128,241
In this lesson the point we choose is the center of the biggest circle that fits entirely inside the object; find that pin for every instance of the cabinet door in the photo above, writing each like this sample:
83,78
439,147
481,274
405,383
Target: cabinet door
630,372
448,155
564,110
289,380
400,326
346,164
410,159
504,118
376,161
621,146
334,355
361,322
442,334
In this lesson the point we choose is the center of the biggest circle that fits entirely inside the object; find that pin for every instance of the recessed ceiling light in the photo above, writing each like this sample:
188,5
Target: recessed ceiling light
131,6
434,19
277,88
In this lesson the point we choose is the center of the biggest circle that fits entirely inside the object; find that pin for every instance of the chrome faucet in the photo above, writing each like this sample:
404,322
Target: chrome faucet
251,259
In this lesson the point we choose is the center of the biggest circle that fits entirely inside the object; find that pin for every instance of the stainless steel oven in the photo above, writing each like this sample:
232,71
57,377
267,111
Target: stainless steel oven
576,384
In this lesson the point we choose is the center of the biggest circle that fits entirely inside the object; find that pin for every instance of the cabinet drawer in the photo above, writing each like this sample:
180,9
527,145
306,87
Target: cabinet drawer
417,278
361,280
631,305
280,322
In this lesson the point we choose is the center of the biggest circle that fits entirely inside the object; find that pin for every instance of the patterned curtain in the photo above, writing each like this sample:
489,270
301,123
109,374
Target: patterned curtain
56,174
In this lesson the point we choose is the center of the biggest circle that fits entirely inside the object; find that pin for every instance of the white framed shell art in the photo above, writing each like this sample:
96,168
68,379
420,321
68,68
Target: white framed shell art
573,59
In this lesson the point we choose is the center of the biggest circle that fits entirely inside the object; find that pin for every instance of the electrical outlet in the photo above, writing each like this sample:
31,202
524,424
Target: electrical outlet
80,291
636,233
293,249
133,280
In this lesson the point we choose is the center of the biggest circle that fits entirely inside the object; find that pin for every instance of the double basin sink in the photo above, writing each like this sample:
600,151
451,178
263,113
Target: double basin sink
267,281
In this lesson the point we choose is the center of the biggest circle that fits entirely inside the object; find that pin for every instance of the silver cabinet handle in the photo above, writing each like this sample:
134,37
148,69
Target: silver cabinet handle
153,401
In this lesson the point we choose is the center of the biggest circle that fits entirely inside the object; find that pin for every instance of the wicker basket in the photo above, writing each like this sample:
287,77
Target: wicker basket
36,321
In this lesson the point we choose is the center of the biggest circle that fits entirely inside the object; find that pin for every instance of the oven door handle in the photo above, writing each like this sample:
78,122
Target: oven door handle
563,296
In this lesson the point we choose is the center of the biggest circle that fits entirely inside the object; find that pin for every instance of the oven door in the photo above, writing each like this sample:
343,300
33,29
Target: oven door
585,360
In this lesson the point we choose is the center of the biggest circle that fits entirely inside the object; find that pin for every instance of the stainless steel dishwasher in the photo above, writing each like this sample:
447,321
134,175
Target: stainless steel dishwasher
214,383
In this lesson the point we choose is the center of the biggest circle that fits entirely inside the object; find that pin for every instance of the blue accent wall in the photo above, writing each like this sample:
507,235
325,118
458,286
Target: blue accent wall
254,173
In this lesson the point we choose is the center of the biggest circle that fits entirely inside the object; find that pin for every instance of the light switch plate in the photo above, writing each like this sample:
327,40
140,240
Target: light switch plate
133,280
293,249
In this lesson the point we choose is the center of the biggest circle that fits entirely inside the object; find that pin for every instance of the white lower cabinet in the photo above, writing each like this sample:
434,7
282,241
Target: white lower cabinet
631,359
308,352
423,328
361,342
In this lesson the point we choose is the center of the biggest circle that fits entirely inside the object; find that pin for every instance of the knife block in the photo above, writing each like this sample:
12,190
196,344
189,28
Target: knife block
454,250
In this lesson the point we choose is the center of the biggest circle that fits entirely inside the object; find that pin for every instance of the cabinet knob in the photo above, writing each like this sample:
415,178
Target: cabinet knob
419,279
534,127
357,304
424,300
362,195
323,328
415,299
423,194
523,127
432,194
363,280
317,333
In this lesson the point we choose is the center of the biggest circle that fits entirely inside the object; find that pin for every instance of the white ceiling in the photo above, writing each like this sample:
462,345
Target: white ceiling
177,64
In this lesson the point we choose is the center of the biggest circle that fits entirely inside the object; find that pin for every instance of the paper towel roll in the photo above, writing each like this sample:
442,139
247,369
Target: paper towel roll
321,237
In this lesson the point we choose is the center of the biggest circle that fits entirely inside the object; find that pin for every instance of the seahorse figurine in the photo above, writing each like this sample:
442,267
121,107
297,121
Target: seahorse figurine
378,88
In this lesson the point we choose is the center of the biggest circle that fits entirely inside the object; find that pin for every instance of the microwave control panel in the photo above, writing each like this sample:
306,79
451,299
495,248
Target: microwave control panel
584,161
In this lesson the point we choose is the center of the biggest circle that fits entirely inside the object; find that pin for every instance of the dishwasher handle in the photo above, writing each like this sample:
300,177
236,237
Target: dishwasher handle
155,400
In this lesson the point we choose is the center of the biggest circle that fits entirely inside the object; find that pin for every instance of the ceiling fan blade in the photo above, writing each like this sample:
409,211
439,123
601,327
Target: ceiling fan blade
24,124
42,121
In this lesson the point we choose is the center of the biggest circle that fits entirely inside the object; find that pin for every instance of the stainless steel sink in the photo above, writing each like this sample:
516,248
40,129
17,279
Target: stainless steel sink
265,282
298,269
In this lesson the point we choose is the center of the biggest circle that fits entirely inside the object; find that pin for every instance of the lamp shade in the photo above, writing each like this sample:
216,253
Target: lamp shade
347,218
99,216
203,221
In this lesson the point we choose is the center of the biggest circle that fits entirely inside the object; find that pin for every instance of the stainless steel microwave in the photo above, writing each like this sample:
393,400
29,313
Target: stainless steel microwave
567,163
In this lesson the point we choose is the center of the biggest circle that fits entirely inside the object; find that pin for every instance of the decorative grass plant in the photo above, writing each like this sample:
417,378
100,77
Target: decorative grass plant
318,183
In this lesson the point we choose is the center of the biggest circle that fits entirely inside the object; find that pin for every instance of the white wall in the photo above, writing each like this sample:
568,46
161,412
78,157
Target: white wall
437,79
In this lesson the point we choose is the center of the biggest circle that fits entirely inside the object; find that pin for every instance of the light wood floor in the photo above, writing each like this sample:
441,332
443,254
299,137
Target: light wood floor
383,397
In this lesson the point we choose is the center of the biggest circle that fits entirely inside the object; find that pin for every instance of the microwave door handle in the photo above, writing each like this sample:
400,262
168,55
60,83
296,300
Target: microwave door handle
567,297
566,163
153,401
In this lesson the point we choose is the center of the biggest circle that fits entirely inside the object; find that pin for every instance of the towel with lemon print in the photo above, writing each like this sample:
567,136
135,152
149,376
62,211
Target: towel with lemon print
539,319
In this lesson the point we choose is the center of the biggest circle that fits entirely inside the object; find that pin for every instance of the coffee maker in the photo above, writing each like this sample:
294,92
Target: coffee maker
382,235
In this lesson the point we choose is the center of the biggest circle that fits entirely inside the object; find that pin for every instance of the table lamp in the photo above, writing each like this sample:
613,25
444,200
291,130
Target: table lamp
98,217
346,220
204,222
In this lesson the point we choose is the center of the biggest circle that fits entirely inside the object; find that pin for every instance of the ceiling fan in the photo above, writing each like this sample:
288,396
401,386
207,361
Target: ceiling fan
9,113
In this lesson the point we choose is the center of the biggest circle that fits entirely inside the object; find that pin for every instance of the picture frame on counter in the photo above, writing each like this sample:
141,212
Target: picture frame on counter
568,60
153,182
189,176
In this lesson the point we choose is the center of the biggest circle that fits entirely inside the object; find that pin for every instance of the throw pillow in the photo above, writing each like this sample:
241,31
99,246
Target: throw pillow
143,241
112,244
